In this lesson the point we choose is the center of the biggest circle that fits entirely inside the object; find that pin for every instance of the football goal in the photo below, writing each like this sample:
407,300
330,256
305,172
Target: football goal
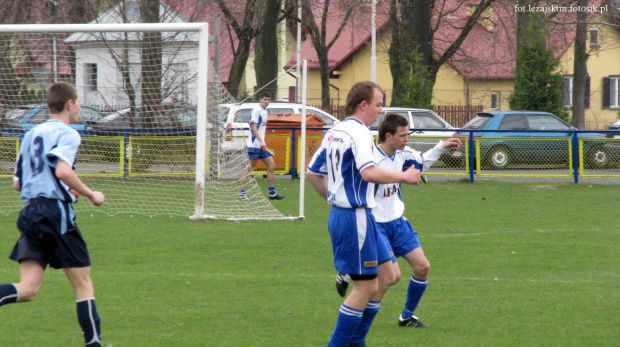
152,136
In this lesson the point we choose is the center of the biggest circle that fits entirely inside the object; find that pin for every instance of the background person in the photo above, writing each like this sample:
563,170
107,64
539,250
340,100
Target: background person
257,149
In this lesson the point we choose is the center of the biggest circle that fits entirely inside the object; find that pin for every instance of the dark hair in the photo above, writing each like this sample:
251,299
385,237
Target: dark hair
390,124
265,95
58,95
360,91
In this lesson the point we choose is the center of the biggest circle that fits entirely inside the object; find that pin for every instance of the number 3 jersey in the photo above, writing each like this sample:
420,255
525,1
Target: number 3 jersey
346,150
40,150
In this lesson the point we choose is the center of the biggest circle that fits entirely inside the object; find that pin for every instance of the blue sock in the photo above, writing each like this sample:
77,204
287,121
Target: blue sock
8,294
348,321
272,190
242,192
89,321
359,338
414,294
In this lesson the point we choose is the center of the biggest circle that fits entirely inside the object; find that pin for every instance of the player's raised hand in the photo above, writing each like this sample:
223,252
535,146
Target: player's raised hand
452,142
411,175
97,198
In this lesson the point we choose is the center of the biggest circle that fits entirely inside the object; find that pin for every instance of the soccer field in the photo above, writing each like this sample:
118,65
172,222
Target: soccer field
512,264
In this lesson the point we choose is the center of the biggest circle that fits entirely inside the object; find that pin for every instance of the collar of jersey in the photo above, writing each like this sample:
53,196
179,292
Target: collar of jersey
355,120
385,155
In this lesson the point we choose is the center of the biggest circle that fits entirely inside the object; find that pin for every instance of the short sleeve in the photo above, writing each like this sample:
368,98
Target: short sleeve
66,148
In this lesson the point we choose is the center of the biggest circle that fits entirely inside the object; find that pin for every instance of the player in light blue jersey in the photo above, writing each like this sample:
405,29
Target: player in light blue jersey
343,172
257,149
393,154
45,175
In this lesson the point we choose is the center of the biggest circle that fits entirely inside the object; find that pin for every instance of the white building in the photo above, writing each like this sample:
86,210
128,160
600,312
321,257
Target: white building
102,59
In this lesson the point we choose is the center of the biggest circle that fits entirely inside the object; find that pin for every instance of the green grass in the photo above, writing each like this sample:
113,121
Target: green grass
512,264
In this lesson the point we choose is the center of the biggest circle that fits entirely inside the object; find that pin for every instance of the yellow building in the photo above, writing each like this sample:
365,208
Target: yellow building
481,75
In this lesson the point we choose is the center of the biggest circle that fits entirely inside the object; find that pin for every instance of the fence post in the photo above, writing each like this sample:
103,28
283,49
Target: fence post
293,169
575,154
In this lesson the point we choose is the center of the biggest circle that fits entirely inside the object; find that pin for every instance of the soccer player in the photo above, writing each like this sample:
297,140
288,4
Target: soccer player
343,172
257,149
45,175
393,154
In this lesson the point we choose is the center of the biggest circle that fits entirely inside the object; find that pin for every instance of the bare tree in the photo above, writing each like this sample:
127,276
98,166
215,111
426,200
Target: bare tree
10,12
151,57
266,45
318,33
580,69
245,32
414,23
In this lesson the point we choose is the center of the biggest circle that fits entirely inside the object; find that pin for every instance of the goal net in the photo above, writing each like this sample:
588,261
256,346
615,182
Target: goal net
152,133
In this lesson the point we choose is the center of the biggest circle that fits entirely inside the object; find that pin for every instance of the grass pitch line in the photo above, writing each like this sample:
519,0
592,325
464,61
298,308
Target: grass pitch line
540,231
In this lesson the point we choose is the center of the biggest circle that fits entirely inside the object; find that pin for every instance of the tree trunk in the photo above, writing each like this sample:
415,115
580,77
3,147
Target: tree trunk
245,34
319,39
580,70
151,67
266,48
324,68
415,34
523,19
238,67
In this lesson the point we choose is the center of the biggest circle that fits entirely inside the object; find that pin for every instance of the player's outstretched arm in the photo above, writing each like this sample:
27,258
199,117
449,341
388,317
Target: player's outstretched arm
66,174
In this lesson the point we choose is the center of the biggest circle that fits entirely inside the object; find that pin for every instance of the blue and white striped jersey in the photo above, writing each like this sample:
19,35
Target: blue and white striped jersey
346,150
388,197
40,149
258,117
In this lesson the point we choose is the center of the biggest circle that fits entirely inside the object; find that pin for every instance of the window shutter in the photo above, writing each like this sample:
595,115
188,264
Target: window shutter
606,95
586,98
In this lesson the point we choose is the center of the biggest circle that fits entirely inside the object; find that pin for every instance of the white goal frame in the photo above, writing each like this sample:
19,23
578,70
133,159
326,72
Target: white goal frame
202,101
203,56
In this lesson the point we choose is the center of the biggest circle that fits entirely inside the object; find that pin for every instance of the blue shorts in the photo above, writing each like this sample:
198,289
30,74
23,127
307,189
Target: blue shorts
357,247
256,154
401,236
49,234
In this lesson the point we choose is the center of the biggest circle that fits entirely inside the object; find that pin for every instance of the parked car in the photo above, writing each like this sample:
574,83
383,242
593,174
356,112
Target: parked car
27,117
421,140
614,126
504,148
235,119
176,119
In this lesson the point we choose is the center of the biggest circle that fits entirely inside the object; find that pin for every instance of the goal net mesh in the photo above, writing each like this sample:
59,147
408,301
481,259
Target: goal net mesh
139,96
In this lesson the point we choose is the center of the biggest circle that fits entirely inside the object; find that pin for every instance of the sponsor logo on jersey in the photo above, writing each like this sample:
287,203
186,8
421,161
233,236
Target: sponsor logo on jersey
389,191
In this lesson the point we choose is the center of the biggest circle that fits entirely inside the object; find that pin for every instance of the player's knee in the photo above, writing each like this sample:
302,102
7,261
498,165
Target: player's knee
397,278
421,270
27,292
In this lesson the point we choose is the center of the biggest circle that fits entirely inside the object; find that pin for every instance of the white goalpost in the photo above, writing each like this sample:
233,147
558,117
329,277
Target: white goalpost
152,135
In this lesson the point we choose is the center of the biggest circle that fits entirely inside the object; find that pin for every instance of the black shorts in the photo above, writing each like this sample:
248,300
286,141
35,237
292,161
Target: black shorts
49,234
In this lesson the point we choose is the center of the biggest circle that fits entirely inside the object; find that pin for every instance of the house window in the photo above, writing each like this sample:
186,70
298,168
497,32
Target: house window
594,38
567,91
611,92
90,76
495,100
